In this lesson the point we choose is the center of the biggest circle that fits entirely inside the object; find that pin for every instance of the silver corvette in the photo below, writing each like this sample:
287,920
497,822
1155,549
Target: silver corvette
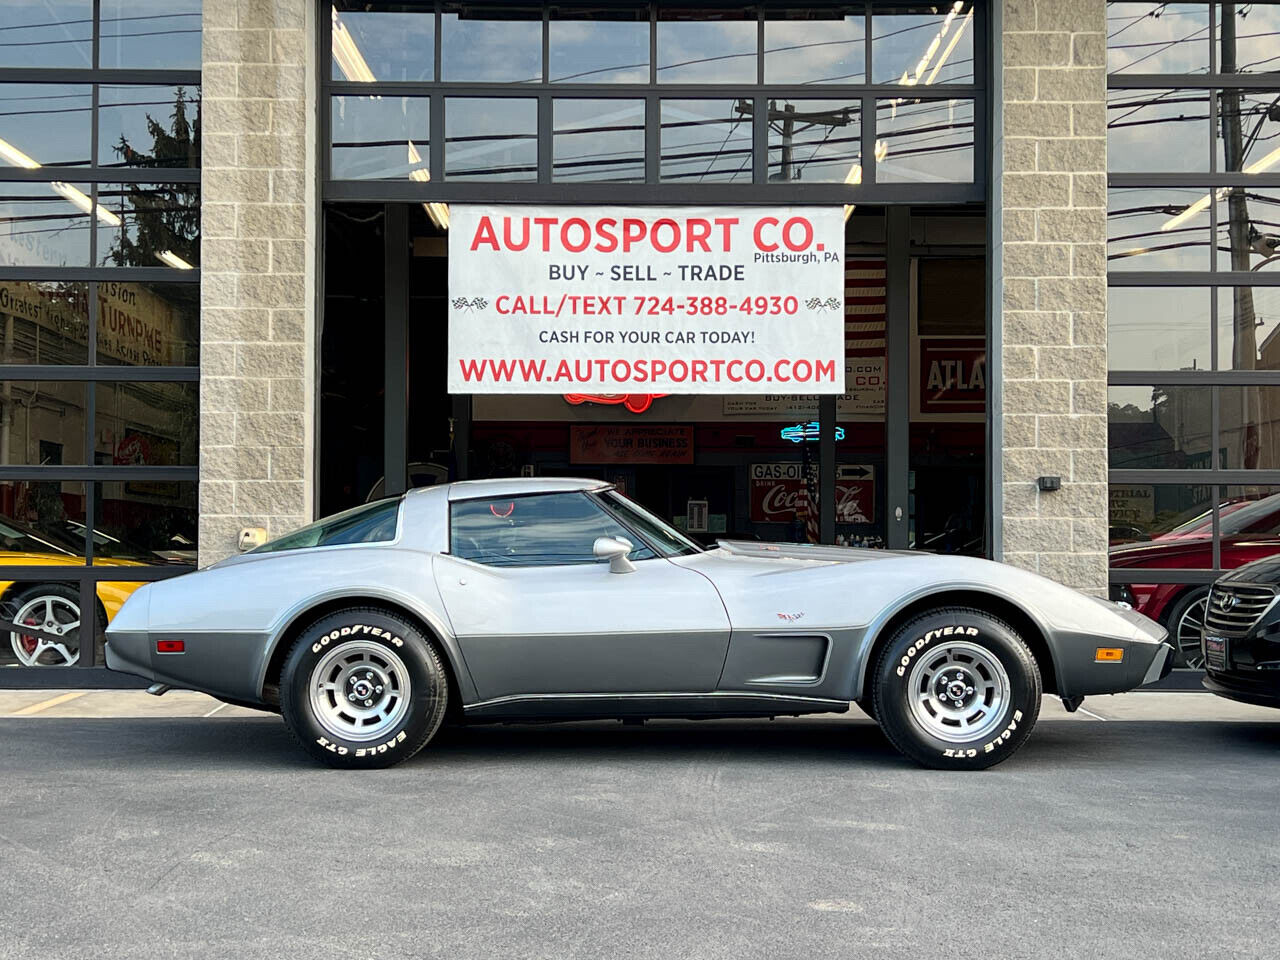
560,599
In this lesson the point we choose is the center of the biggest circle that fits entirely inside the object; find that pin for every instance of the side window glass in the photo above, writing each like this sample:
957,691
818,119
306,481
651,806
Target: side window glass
558,528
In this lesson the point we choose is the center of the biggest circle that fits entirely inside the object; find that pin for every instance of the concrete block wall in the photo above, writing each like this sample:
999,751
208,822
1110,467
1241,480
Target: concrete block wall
1054,353
257,269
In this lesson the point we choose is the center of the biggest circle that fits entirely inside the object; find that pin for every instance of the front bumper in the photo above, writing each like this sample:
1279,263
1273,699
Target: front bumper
1261,688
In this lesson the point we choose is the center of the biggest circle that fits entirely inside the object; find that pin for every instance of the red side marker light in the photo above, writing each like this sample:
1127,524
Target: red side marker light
171,646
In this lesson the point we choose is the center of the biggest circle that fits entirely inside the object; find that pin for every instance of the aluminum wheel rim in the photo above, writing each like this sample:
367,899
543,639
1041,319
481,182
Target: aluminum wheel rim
52,614
359,691
1190,625
958,692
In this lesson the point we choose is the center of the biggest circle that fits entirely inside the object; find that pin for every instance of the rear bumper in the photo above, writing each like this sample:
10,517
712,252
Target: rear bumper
226,665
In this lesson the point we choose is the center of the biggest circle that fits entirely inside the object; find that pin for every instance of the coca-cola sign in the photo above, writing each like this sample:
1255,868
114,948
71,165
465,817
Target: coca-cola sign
776,493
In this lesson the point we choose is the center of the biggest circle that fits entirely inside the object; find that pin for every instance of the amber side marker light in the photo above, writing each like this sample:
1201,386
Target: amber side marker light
171,646
1108,655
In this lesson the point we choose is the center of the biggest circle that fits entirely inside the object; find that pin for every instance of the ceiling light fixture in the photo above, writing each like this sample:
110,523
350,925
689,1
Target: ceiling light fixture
171,259
350,60
78,198
16,156
438,212
1258,166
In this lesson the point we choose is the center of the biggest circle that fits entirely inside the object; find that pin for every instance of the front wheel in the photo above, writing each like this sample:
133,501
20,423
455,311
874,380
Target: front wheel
957,688
363,688
1186,620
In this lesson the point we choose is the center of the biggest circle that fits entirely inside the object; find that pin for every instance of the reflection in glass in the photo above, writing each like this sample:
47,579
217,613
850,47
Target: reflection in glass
504,46
815,140
923,45
598,140
924,141
44,321
1157,130
148,521
1249,428
45,421
1159,427
148,324
706,140
491,138
1157,37
1164,228
156,224
380,138
47,33
150,34
148,126
44,125
599,45
1158,328
1247,37
1155,525
44,224
815,45
146,424
382,41
1248,229
1248,137
707,46
1247,321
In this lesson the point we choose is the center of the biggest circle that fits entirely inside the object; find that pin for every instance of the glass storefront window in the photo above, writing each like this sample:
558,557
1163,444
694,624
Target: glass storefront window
598,140
1161,525
1160,427
150,34
148,126
149,225
923,45
147,521
37,602
380,138
41,518
491,138
1248,224
707,46
815,141
1159,328
44,321
1247,321
599,45
1159,228
815,45
924,141
148,324
1156,131
45,421
146,424
45,125
47,33
1248,129
44,224
1249,431
706,140
1246,37
1153,37
382,41
503,46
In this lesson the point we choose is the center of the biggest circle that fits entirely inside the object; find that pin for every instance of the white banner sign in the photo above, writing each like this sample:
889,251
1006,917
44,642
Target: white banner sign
646,300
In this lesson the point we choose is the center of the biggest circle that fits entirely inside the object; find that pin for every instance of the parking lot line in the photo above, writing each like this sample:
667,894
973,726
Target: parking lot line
1090,713
46,704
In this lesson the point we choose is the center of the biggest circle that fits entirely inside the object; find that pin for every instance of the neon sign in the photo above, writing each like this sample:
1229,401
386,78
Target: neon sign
806,432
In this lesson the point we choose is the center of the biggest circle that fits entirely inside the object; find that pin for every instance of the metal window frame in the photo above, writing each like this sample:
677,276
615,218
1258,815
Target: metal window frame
1213,279
87,672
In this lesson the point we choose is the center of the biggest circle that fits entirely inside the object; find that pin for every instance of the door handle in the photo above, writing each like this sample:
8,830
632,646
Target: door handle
897,514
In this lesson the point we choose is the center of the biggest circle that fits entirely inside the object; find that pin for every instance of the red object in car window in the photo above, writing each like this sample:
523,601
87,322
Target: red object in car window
635,402
500,512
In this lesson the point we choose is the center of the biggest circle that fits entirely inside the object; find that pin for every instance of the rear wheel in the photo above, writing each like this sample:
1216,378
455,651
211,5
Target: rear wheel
363,688
957,688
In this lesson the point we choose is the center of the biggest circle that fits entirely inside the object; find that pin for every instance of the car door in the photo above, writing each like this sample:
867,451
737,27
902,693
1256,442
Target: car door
535,612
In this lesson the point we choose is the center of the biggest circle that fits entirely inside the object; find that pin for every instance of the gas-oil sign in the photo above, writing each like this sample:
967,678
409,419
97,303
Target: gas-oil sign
630,300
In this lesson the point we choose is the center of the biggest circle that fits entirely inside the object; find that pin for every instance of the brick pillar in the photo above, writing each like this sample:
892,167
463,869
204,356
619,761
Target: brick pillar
1055,288
257,270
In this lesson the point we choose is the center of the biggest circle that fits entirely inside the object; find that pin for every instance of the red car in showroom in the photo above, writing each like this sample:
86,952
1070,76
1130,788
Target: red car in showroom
1250,530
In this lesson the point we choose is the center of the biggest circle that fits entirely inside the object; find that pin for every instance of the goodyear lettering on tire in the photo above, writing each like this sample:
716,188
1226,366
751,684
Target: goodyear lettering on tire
921,642
361,628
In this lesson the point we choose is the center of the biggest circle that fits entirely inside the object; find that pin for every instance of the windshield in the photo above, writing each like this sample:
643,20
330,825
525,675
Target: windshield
669,541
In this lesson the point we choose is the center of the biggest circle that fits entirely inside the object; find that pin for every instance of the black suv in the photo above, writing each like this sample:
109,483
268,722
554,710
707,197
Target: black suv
1241,638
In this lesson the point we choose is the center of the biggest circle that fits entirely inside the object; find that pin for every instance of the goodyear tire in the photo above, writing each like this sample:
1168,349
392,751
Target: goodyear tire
957,688
363,688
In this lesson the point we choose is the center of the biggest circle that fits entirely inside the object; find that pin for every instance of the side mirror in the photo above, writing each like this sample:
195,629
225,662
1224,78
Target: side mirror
615,550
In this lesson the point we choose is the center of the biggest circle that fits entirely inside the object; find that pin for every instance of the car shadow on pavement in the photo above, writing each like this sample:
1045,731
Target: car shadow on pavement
830,742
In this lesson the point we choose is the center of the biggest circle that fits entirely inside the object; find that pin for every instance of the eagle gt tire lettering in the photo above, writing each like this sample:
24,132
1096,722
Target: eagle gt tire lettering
363,688
956,688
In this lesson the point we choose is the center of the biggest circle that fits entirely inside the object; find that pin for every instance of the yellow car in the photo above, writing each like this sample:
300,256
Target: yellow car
54,607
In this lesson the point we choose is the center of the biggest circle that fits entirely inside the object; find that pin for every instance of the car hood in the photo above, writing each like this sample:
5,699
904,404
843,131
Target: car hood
1159,553
813,552
1266,570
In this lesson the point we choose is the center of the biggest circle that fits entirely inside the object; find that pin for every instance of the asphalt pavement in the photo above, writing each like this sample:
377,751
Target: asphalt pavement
215,837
